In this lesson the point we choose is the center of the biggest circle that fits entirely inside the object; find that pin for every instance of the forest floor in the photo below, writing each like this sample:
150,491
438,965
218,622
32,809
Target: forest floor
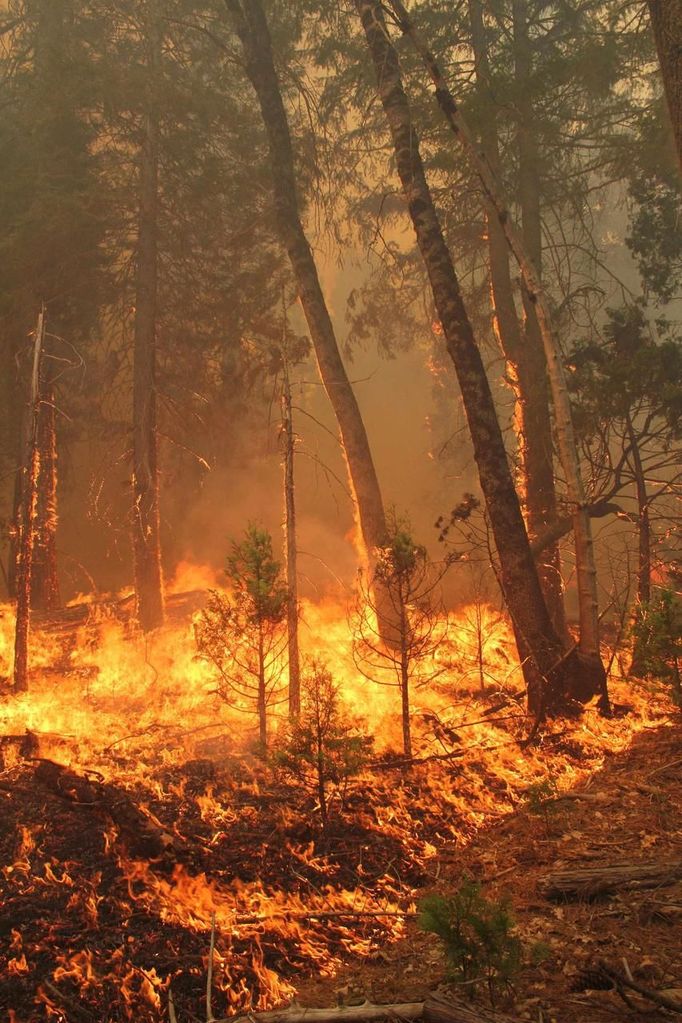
99,920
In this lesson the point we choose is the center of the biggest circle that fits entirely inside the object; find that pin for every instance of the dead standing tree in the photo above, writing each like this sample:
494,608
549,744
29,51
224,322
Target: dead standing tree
44,578
146,523
27,515
549,672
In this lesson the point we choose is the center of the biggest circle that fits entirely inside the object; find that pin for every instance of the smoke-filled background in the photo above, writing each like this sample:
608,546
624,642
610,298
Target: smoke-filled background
78,77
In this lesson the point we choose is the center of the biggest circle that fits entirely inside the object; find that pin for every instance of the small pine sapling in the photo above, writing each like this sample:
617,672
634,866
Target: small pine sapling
540,801
410,613
324,748
243,634
478,936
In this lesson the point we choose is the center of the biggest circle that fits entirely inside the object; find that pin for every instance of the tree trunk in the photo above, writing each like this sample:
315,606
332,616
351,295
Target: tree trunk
252,28
288,440
405,640
523,352
593,673
540,649
45,580
405,706
643,542
26,520
666,21
262,696
146,529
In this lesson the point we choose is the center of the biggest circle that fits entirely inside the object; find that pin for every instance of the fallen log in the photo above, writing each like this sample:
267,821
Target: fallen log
436,1009
143,835
592,882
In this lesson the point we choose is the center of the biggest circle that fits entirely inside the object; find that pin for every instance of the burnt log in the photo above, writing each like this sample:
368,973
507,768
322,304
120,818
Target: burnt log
141,833
594,882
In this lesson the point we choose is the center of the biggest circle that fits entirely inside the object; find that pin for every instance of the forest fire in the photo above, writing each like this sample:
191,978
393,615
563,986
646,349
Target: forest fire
237,857
340,511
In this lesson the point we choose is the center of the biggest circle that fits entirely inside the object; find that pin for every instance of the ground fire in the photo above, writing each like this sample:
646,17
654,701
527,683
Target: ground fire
340,450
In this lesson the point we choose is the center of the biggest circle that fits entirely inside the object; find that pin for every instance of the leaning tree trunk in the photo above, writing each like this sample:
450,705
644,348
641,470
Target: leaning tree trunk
252,28
666,21
593,676
523,350
146,527
45,580
540,649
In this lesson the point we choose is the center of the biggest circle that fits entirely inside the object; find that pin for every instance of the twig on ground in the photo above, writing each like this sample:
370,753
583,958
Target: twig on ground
209,979
73,1005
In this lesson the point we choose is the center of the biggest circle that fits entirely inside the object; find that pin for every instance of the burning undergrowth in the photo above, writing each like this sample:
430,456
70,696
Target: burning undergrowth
135,823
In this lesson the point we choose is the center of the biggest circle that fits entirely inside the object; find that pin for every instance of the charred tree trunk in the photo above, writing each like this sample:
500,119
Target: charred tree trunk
523,350
146,525
26,520
288,440
252,28
45,580
540,649
666,21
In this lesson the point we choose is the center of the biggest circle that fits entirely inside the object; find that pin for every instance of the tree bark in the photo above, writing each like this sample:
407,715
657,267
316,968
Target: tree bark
591,882
288,440
523,353
252,28
666,21
541,499
586,572
541,651
146,524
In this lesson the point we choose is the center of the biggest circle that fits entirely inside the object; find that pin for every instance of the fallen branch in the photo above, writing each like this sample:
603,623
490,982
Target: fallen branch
436,1009
620,980
366,1011
75,1007
590,882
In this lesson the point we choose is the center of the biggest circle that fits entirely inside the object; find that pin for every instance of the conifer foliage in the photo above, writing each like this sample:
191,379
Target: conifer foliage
243,634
